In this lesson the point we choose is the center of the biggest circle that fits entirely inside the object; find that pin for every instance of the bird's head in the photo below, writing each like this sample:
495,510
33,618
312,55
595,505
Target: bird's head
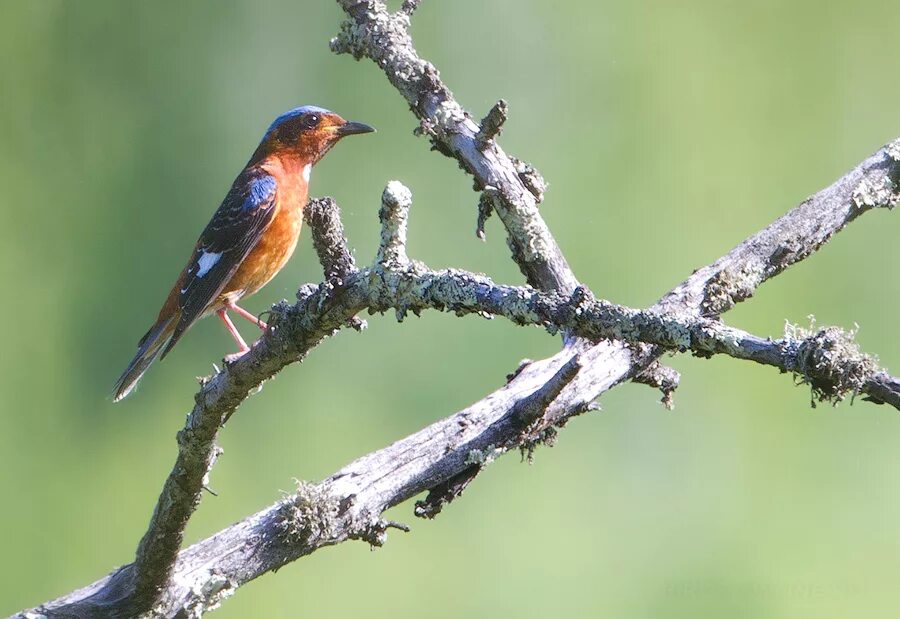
306,132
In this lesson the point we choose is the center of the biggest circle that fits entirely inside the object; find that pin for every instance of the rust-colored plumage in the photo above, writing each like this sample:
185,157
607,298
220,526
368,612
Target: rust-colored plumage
250,237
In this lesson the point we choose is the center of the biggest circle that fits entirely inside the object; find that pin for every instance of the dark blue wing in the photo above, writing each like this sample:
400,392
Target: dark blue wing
233,231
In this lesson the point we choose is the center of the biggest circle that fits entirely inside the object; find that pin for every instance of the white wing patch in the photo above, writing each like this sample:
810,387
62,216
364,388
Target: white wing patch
206,262
306,170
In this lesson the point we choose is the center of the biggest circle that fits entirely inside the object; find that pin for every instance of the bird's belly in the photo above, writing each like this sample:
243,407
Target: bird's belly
267,258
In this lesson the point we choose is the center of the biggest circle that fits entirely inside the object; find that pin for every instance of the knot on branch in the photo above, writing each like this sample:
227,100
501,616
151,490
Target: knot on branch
830,362
530,409
310,515
491,125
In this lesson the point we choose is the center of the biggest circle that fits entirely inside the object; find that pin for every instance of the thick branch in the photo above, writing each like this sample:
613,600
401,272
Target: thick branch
373,32
348,504
294,330
447,455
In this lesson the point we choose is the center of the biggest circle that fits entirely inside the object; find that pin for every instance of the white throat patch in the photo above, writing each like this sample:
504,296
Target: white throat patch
306,171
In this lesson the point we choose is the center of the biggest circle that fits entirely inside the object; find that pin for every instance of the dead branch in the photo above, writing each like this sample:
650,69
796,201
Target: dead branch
540,397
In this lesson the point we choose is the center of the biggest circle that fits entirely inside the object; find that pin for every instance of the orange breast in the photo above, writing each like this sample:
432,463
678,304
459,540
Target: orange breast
277,244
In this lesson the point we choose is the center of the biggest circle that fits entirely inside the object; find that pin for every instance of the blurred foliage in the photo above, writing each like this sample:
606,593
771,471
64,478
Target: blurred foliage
668,132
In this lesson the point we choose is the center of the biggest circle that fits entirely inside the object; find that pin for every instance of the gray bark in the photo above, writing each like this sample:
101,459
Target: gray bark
605,345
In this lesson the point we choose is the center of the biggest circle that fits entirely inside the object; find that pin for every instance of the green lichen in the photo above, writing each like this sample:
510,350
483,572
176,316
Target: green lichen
829,360
310,513
484,456
547,437
869,193
893,150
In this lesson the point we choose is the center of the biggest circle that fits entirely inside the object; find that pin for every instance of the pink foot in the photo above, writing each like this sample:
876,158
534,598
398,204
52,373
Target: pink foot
248,316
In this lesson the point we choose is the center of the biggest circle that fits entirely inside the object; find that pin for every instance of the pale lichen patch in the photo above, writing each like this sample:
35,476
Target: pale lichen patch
830,361
893,150
484,456
208,594
874,193
310,513
729,287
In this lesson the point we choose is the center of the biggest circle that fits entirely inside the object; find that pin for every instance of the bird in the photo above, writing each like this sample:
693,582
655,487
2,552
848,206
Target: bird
249,238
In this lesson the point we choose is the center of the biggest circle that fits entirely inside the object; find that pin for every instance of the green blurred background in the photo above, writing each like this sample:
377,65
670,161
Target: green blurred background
668,132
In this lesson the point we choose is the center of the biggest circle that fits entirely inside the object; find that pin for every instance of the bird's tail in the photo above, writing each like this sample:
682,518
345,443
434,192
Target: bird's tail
148,349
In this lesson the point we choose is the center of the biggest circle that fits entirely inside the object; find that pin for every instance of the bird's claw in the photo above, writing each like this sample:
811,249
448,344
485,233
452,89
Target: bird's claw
229,359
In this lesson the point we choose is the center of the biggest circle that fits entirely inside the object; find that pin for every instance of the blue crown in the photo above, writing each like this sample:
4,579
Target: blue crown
294,113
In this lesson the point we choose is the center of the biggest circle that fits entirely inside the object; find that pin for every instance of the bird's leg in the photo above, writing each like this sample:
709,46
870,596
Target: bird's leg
222,313
245,314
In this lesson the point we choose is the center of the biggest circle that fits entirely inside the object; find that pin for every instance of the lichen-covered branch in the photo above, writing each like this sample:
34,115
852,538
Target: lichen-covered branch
873,184
294,330
374,32
168,581
323,217
371,31
828,359
395,202
442,458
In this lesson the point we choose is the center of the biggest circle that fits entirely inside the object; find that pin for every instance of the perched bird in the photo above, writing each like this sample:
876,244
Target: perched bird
249,238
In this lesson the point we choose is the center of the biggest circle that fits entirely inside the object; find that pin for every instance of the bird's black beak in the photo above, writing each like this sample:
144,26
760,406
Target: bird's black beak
352,128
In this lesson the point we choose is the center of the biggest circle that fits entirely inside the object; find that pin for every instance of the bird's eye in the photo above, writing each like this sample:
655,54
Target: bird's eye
310,120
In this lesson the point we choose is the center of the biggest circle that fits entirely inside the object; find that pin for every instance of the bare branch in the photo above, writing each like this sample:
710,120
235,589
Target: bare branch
294,331
373,32
827,359
712,290
447,455
445,492
530,409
